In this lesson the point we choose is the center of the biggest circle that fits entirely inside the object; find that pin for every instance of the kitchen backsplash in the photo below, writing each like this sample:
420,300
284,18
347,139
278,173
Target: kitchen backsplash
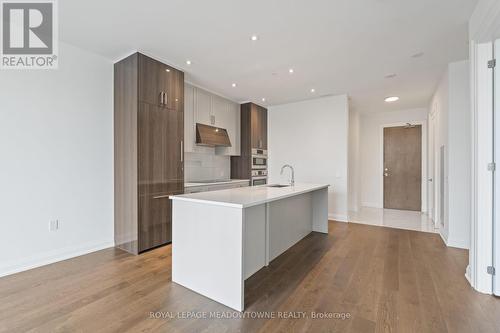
205,165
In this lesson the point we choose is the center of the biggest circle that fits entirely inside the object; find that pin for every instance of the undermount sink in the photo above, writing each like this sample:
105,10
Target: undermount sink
278,185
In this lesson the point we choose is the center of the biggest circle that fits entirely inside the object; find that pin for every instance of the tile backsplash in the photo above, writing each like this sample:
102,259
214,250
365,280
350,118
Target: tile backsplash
205,165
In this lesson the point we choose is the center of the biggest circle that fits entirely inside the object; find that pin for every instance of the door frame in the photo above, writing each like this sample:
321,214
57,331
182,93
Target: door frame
423,197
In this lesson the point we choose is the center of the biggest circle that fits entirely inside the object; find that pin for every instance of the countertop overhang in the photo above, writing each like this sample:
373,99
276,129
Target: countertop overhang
244,197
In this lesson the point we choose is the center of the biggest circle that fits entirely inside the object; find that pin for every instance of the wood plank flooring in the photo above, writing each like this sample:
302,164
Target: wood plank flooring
384,280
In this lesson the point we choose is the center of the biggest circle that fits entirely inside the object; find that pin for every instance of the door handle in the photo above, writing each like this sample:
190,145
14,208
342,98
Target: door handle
182,151
165,98
161,196
161,97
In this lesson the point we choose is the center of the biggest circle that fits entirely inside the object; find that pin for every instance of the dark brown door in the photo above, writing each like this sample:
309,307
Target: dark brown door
173,157
403,167
263,128
157,138
150,80
255,124
172,84
258,118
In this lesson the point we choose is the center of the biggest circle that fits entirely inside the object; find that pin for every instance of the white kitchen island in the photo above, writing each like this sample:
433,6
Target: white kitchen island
221,238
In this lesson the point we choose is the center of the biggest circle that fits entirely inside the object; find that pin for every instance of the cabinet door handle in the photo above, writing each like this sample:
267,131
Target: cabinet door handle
182,151
161,196
161,97
165,98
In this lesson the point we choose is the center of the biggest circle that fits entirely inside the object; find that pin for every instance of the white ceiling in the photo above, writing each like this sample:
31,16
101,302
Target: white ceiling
334,46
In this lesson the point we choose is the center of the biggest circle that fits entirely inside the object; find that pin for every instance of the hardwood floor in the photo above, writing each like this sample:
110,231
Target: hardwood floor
385,280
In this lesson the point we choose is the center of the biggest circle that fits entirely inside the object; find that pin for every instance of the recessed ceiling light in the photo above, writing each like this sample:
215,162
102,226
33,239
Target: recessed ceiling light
313,90
188,62
263,99
254,37
233,85
290,71
390,76
391,99
418,55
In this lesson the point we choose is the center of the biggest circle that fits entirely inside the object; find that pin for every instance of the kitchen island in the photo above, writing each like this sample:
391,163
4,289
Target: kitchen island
221,238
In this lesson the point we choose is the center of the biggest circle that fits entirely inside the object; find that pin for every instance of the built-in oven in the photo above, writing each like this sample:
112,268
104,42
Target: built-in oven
259,177
259,159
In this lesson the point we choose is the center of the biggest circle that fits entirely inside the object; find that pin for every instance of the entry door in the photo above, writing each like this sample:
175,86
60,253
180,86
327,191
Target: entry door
403,167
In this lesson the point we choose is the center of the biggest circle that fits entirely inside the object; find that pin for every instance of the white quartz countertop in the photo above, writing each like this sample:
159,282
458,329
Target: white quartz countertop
229,181
243,197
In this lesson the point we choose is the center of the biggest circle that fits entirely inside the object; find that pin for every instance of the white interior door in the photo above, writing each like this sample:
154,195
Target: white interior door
496,177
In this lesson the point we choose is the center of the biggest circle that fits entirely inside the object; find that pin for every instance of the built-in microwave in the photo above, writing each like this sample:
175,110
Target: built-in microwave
259,159
259,177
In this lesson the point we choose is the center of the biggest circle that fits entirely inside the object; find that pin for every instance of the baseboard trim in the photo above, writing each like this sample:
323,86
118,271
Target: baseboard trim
445,241
371,205
338,217
459,244
51,257
467,274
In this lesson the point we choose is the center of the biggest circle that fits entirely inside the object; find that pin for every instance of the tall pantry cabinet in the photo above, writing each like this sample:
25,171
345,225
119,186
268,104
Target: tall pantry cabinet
148,145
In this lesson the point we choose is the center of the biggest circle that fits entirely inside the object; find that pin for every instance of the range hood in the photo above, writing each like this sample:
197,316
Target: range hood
212,136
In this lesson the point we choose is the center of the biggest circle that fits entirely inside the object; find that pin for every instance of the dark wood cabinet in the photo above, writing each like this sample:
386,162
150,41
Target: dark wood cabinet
149,163
253,135
258,125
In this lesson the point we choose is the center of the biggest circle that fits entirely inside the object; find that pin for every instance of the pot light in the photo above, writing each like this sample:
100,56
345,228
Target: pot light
263,99
313,90
290,71
391,99
188,62
233,85
254,37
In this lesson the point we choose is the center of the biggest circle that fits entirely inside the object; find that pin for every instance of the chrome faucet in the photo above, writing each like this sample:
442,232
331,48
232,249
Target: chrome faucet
292,180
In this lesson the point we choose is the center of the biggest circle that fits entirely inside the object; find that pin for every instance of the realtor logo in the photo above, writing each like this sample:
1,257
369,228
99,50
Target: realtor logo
29,34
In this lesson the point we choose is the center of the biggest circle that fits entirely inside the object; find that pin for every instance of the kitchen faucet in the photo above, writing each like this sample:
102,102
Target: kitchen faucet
292,180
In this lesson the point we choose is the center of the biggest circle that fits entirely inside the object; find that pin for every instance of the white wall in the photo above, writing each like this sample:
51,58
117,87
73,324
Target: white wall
312,137
438,116
451,112
371,148
459,156
353,169
56,143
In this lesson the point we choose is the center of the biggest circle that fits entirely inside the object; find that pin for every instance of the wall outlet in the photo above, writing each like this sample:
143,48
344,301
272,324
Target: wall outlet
54,225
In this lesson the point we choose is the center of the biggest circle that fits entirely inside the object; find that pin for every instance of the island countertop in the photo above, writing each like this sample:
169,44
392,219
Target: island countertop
244,197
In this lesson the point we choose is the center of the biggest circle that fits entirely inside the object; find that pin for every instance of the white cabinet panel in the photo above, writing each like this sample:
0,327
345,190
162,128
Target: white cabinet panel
230,120
203,106
219,111
189,119
206,108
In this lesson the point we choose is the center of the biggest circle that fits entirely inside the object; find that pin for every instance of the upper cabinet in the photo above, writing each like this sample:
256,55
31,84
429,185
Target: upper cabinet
258,119
159,84
206,108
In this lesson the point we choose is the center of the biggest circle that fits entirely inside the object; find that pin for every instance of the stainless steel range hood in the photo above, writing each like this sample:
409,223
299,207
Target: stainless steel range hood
212,136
